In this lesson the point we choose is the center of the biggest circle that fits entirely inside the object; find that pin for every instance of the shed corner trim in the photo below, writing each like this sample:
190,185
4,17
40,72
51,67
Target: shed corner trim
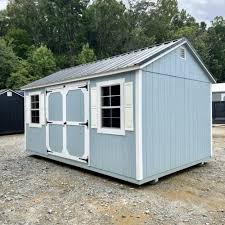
139,156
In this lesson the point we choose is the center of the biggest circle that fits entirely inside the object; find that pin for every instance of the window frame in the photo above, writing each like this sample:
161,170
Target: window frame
30,109
105,130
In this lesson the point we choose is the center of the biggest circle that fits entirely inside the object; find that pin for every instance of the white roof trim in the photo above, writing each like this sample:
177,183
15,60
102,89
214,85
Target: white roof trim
11,91
177,46
128,69
218,88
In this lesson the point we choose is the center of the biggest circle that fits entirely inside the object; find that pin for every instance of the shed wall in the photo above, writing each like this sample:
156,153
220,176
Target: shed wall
176,114
113,153
12,114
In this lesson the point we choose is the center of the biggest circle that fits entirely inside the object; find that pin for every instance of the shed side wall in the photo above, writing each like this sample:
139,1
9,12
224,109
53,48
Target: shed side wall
113,153
176,114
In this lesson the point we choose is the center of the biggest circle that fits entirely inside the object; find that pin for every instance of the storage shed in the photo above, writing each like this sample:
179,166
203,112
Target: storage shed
11,112
137,116
218,103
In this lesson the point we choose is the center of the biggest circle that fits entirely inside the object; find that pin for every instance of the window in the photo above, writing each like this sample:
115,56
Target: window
110,107
35,109
183,53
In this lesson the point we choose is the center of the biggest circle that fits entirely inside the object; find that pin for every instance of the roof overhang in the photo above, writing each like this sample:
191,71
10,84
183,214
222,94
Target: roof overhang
6,90
124,70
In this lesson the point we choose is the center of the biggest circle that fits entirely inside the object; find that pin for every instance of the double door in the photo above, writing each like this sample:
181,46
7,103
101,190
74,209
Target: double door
67,116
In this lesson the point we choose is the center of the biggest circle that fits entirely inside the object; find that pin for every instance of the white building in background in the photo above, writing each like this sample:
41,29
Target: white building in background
218,92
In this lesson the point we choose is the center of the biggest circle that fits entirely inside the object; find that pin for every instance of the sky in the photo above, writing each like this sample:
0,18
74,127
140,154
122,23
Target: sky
202,10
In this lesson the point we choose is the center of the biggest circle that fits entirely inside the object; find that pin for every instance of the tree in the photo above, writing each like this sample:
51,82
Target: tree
87,55
21,76
106,28
20,42
216,42
8,62
42,61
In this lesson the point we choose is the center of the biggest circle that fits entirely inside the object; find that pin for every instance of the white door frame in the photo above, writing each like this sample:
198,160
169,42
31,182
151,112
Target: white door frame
63,90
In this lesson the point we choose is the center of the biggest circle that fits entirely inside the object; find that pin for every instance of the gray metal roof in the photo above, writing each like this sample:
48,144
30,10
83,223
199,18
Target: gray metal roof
121,63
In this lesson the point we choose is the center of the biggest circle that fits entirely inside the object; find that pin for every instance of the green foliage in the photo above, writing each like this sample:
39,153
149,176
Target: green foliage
87,55
216,42
21,76
20,42
8,62
62,29
106,28
42,61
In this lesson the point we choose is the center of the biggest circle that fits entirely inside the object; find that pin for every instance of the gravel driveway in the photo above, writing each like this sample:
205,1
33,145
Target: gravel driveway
34,190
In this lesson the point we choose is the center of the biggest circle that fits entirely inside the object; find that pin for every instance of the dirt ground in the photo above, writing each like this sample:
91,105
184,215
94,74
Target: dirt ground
34,190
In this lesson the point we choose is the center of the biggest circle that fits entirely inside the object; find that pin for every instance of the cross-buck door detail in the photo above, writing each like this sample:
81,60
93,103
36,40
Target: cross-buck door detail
67,118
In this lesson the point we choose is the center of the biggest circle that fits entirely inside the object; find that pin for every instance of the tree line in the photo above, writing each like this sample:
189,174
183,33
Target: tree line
39,37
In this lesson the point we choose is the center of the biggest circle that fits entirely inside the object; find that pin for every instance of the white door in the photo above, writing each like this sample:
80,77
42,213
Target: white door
67,117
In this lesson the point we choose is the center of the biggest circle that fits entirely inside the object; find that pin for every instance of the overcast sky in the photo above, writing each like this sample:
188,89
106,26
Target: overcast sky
202,10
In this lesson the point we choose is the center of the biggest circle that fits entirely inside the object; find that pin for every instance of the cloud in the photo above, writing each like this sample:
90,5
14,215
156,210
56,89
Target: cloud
3,4
204,10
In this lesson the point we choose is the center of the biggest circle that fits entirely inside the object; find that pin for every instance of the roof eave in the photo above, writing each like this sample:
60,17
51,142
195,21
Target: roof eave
124,70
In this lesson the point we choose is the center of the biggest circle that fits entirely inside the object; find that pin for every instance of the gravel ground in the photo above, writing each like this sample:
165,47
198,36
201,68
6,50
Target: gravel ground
39,191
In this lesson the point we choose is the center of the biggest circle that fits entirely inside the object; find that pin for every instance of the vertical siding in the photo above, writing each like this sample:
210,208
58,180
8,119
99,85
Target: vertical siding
114,153
35,136
111,153
176,114
36,139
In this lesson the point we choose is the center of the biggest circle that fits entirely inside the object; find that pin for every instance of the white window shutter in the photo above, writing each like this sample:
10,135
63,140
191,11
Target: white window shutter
93,108
27,109
128,106
42,109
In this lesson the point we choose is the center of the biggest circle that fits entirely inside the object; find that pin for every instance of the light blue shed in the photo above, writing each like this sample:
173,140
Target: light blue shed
137,116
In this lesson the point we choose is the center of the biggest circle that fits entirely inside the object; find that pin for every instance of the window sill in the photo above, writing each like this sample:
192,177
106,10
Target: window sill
118,132
34,125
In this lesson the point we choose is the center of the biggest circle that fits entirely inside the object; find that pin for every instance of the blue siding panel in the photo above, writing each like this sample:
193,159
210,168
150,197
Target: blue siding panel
113,153
35,139
176,114
173,65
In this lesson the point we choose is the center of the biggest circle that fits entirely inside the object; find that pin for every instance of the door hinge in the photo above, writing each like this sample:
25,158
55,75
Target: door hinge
84,124
85,86
48,92
86,160
48,122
